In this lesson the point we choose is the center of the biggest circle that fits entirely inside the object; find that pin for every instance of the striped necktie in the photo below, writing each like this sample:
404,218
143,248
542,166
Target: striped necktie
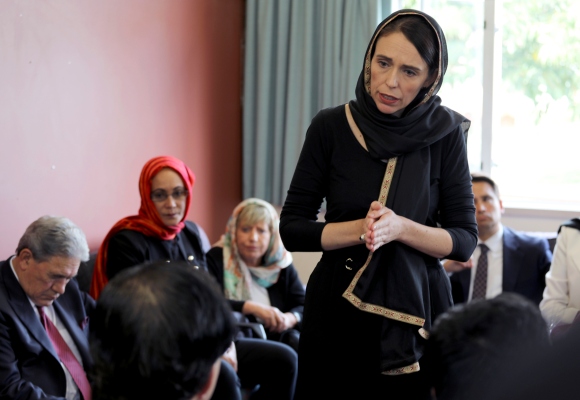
66,356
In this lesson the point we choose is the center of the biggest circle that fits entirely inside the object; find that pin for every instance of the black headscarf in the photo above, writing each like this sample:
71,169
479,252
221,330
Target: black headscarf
423,122
399,278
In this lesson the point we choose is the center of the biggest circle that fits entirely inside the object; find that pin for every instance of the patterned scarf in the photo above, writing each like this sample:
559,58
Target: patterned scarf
237,275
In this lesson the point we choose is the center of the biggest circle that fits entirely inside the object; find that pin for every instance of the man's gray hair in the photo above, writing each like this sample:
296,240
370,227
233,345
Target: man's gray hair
51,236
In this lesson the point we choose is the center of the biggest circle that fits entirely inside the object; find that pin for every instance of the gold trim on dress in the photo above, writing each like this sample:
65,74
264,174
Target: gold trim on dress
376,309
348,293
403,370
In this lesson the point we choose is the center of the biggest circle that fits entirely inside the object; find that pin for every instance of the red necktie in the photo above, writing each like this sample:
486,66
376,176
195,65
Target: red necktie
480,281
66,356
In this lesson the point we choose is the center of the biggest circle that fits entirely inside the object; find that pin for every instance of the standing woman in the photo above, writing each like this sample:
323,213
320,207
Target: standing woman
393,169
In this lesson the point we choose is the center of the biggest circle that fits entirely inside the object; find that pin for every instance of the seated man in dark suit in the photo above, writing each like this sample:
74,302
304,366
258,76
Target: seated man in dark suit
44,349
511,262
158,332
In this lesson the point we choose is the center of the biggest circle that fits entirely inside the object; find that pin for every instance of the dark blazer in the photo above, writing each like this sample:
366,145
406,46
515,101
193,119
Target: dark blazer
526,260
287,294
29,367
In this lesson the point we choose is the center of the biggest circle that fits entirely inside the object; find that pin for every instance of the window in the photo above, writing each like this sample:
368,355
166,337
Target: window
520,85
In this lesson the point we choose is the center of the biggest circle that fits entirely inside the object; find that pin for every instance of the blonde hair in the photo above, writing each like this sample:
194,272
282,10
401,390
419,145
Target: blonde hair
253,214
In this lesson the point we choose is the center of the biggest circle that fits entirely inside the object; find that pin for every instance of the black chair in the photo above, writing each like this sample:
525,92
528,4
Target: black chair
249,329
552,243
85,274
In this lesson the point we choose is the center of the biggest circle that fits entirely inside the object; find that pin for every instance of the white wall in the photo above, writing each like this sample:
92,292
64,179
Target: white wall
536,220
90,90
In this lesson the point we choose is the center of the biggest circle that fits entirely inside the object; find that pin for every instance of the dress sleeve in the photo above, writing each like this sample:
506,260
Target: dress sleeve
124,251
299,228
555,303
456,207
296,292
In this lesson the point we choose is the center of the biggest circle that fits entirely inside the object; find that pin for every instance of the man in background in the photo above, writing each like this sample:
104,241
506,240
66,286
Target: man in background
158,332
44,351
504,260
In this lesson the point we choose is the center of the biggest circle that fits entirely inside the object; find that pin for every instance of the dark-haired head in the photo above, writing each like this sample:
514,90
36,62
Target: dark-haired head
157,332
478,339
480,177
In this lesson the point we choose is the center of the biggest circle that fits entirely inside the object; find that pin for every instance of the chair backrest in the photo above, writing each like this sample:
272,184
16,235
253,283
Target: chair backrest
552,243
247,328
85,274
550,237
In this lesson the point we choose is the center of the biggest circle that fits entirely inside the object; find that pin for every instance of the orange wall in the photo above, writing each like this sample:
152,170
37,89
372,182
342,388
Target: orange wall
90,90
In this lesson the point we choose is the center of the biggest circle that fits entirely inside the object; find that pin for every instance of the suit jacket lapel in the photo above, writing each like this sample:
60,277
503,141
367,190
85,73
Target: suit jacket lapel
23,309
73,328
512,260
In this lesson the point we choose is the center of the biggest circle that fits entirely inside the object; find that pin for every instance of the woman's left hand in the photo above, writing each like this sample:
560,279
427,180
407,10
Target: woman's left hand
384,226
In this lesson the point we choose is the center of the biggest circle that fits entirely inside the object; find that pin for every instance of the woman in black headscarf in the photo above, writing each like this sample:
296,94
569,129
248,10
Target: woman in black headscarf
393,169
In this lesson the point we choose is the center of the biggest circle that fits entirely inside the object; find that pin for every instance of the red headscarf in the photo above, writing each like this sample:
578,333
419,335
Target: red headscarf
147,221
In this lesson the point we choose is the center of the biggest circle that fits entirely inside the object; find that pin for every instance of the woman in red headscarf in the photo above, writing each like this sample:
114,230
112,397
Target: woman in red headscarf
160,232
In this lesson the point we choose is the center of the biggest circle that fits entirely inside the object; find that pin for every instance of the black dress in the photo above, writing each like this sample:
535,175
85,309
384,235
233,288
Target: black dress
340,345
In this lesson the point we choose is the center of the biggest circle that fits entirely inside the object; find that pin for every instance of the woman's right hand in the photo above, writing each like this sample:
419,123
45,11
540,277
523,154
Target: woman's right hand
272,318
386,226
457,266
382,226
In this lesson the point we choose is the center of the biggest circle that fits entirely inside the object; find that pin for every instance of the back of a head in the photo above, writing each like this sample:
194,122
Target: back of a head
157,331
471,343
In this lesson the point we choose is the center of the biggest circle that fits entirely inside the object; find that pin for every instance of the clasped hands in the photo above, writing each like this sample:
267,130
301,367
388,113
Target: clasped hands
381,226
272,318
